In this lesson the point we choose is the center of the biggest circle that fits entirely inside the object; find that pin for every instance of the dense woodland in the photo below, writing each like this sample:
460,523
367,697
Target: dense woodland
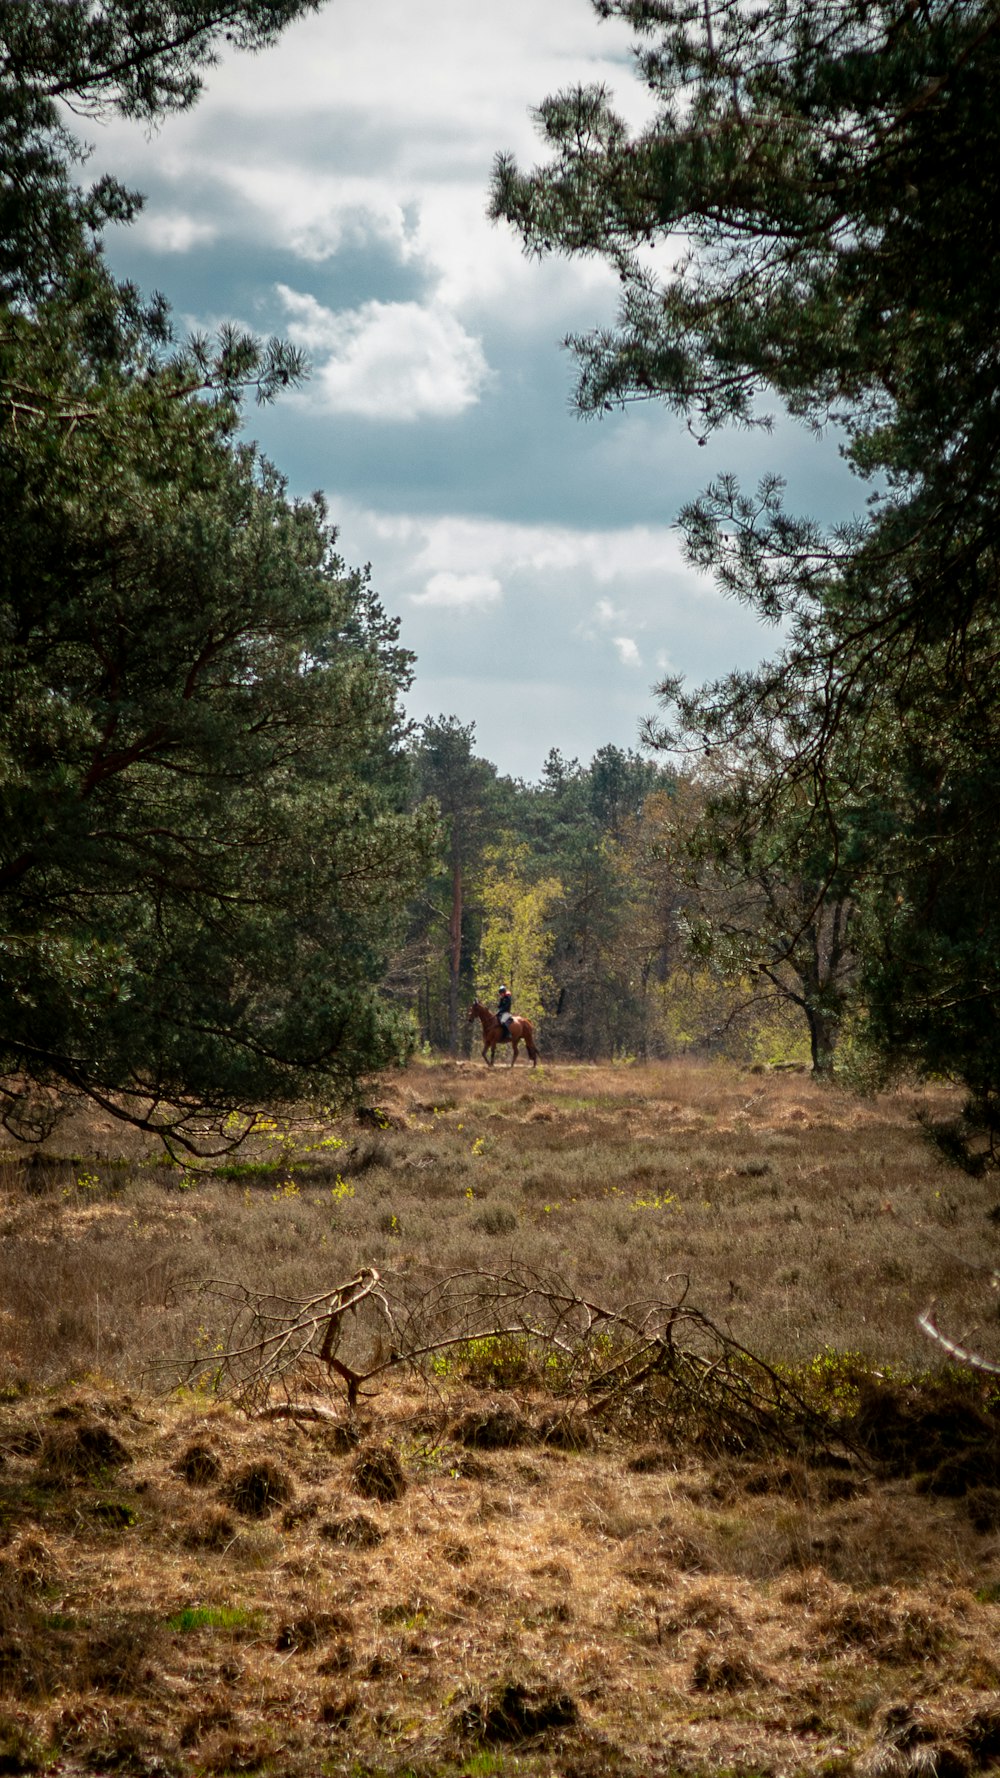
229,877
592,895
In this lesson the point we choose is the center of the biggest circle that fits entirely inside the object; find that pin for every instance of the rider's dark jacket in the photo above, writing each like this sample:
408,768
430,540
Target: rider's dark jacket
503,1004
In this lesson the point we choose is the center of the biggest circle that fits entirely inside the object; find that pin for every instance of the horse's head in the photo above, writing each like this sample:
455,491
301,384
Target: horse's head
475,1010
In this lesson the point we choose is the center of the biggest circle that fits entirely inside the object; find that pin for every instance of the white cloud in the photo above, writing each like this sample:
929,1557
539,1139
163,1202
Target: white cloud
460,75
532,594
607,613
340,132
313,213
387,361
459,591
497,546
171,231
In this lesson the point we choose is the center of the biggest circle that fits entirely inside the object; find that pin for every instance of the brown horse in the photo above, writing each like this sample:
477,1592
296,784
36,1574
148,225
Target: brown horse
519,1029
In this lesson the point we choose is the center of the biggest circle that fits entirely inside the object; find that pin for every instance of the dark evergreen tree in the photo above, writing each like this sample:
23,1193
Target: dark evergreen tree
619,785
462,785
807,214
204,851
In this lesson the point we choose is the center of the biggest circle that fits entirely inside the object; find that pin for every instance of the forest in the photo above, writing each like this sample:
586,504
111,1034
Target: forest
601,897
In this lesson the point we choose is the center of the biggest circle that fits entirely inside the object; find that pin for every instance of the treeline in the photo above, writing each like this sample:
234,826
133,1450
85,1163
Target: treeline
593,895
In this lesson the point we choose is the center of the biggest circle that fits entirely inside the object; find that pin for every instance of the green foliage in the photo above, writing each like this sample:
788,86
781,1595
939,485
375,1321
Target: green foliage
192,1618
204,852
772,865
821,165
516,940
438,964
608,941
542,885
498,1361
812,155
833,1380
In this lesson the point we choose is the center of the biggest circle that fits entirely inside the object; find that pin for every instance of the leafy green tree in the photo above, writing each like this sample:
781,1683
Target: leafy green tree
576,822
655,954
772,898
931,916
619,784
781,846
204,848
517,937
203,859
820,161
462,784
805,215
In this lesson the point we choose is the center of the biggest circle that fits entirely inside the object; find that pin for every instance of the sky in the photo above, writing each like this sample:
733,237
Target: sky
333,191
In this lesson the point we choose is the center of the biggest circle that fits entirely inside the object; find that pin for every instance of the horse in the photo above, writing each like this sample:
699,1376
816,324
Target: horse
519,1031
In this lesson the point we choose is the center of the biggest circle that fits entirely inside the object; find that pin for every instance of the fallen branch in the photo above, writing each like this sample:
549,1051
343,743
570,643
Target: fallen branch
960,1354
661,1362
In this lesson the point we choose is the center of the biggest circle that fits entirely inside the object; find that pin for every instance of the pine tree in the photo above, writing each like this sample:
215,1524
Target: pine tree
204,849
806,217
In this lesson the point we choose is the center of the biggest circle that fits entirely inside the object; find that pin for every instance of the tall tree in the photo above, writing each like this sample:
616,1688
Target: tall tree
772,896
448,769
517,937
805,214
204,854
203,857
576,820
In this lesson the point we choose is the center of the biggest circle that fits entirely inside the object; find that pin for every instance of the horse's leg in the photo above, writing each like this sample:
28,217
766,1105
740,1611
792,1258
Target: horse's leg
513,1050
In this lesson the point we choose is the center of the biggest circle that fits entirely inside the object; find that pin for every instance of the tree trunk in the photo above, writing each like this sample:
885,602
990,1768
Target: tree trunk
824,1030
454,957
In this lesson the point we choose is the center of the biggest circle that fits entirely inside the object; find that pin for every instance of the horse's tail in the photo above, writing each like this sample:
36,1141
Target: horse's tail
529,1042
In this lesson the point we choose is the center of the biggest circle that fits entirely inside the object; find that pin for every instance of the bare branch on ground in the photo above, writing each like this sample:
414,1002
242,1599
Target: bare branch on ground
660,1364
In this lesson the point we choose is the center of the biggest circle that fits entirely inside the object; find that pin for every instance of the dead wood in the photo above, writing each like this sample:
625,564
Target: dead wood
660,1363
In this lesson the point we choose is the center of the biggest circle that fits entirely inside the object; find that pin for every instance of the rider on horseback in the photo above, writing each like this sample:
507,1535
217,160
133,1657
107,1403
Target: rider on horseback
503,1009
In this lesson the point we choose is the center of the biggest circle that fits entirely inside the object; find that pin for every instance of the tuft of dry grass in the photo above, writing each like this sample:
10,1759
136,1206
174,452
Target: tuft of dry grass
378,1474
257,1488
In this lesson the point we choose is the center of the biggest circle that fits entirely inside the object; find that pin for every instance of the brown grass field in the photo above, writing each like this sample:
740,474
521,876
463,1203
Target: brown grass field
491,1567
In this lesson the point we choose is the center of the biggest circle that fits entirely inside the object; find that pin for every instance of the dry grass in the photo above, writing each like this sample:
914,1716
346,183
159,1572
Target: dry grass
805,1218
186,1591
